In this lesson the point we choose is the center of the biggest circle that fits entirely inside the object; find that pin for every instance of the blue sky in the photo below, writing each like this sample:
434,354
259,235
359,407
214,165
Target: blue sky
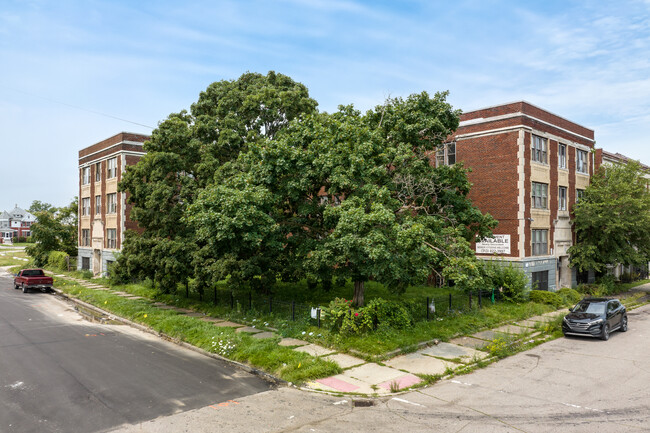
63,62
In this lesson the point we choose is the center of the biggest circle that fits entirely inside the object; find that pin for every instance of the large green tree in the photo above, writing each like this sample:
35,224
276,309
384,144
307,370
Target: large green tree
344,194
55,229
612,219
182,157
40,206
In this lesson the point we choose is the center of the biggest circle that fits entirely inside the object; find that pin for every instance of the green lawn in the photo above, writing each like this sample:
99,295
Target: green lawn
16,244
8,258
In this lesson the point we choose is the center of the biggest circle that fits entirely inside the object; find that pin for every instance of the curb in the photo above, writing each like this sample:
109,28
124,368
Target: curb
257,372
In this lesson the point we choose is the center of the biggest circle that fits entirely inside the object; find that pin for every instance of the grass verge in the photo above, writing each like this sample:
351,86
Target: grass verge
280,361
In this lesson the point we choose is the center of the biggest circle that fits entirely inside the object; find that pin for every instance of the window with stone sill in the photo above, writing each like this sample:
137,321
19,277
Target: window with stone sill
562,198
561,155
582,165
540,149
540,195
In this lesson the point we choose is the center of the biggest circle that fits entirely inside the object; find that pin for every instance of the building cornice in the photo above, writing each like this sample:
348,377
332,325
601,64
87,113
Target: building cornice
497,131
119,152
481,120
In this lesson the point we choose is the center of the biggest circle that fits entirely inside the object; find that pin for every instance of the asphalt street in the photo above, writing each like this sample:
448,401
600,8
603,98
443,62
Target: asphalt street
60,373
569,385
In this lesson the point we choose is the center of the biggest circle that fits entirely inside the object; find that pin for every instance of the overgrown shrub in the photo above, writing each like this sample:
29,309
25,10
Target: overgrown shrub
544,297
607,285
569,296
343,318
588,289
388,314
57,260
21,239
509,280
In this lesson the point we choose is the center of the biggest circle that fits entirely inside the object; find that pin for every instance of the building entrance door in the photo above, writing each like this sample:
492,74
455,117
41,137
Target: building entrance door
564,272
97,262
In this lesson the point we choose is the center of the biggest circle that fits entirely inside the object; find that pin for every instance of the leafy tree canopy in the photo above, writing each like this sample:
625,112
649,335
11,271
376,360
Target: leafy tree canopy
40,206
612,219
344,194
54,230
184,153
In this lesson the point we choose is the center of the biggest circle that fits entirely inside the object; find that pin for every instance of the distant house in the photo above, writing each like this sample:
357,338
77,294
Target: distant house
16,223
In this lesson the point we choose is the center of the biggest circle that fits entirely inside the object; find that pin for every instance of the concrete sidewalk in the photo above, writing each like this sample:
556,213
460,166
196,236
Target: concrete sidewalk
378,379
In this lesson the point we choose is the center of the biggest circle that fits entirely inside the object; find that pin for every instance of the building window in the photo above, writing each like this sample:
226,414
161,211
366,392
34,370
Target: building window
579,194
85,175
111,238
98,204
562,198
540,242
85,263
85,206
561,155
539,149
581,161
98,172
446,154
111,203
540,280
111,170
85,237
27,233
540,195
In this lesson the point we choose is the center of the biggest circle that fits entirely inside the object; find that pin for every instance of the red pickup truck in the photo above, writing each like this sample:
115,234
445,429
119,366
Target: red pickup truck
28,279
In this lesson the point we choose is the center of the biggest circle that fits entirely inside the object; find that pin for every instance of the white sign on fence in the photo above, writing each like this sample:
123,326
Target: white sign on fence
498,244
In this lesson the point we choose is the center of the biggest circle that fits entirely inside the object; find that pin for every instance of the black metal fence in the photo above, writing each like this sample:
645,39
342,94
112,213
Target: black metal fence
426,308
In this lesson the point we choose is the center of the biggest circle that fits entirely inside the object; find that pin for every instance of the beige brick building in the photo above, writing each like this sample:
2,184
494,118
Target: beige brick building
103,211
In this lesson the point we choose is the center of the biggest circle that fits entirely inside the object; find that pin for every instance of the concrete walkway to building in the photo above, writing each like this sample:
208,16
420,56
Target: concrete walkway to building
387,377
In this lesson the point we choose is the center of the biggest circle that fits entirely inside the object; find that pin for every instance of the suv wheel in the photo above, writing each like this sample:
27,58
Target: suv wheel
605,333
624,324
25,289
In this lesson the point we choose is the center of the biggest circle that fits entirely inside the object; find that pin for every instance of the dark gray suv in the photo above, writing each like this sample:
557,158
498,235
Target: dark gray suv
595,317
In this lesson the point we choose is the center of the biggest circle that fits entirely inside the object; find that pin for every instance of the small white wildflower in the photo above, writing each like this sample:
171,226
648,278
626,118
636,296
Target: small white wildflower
311,333
303,332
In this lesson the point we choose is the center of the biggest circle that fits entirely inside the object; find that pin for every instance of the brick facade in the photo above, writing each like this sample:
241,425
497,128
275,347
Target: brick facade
496,143
96,248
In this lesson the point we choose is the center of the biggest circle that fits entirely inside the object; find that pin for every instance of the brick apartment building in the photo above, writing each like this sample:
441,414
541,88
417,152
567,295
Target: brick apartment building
528,168
103,211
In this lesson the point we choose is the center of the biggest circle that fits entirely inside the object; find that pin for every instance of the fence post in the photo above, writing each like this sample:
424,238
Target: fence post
480,302
450,302
427,308
470,300
318,316
293,311
493,295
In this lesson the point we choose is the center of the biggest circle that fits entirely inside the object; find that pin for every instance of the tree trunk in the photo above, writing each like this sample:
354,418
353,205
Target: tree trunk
359,288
